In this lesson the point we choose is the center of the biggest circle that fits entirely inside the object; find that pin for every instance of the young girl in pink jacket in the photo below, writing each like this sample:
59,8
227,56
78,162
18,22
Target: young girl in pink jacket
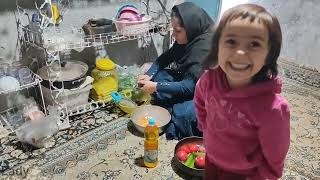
244,120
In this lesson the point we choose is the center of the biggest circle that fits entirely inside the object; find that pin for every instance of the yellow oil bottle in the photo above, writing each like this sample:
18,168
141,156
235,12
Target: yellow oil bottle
151,144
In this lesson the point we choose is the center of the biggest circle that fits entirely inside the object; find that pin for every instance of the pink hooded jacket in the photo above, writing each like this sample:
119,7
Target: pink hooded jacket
246,131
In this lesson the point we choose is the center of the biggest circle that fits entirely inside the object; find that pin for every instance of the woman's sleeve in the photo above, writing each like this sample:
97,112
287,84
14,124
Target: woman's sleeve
153,69
199,101
165,59
185,87
274,136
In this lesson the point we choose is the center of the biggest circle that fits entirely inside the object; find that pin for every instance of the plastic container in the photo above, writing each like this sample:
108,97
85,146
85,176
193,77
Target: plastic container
38,133
151,144
124,103
25,76
128,7
68,97
105,80
133,27
8,83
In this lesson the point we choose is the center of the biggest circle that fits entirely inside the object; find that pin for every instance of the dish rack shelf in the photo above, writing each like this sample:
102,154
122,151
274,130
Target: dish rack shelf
90,106
6,127
36,80
55,41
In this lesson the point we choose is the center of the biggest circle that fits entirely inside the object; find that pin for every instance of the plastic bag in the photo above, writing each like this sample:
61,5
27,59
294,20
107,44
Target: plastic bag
128,76
37,133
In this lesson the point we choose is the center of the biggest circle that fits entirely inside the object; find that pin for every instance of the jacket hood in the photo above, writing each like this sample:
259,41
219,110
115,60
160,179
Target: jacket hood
271,86
194,19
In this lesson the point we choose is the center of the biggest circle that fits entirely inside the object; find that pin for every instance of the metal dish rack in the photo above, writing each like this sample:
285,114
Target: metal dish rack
7,127
53,41
36,79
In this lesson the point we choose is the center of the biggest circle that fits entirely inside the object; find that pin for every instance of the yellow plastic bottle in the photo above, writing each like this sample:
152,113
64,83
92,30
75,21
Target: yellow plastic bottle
151,144
105,80
55,11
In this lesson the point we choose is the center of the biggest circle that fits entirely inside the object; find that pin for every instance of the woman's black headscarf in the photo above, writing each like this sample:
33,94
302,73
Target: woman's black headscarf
197,24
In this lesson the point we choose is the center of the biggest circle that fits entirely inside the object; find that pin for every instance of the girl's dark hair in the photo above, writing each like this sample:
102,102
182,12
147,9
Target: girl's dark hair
253,12
175,13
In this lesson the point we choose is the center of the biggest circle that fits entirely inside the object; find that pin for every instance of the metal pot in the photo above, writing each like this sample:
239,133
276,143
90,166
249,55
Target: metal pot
185,169
98,26
68,74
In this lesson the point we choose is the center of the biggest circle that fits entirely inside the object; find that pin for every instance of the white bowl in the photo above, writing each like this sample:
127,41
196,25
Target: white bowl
8,83
160,114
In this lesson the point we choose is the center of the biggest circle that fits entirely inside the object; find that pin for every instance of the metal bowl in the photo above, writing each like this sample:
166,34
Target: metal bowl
179,164
160,114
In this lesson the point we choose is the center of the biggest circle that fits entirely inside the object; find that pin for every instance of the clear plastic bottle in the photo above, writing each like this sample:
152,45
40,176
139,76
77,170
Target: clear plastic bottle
35,30
151,144
124,103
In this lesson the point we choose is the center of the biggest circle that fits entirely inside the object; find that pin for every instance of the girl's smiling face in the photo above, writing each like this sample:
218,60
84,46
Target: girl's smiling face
243,48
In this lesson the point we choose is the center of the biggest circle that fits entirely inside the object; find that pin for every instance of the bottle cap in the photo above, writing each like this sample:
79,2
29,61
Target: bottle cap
105,64
151,121
116,97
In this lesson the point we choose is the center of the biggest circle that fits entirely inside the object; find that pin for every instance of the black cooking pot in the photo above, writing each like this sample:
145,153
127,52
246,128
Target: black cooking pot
98,26
68,74
181,166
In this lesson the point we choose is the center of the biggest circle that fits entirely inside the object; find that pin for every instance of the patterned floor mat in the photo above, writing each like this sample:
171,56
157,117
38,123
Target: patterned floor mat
102,145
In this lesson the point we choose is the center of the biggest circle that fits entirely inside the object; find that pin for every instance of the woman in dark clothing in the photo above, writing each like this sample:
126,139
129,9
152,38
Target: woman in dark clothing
173,76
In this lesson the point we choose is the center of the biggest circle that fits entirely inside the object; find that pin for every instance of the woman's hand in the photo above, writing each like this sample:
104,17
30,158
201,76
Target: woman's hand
148,86
144,77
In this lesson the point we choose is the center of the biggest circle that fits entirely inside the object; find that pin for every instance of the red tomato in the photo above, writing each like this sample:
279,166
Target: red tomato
185,148
182,155
194,147
200,162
